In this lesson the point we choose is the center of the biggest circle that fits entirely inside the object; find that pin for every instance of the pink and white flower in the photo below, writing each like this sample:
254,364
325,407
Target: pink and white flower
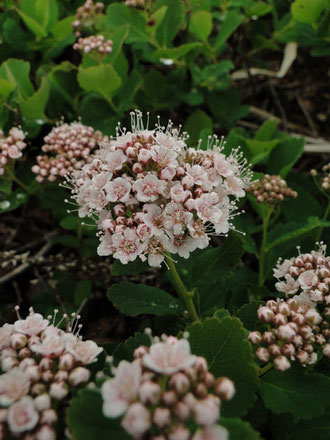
5,331
13,385
22,415
136,420
148,188
32,325
168,358
214,432
308,280
127,245
121,391
118,190
51,346
85,352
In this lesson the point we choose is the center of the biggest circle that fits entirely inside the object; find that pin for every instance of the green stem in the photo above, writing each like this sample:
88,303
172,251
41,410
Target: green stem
181,288
325,216
262,252
265,369
17,180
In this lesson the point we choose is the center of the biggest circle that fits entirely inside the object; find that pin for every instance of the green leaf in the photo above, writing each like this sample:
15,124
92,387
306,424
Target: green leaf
197,121
285,155
303,394
62,29
131,268
312,223
86,420
6,186
125,350
224,345
70,222
118,14
155,19
308,11
16,72
174,53
118,38
6,88
248,314
171,22
230,24
201,24
127,93
267,130
34,106
259,9
32,24
315,429
102,79
46,12
217,263
138,299
239,429
260,149
9,202
62,79
82,291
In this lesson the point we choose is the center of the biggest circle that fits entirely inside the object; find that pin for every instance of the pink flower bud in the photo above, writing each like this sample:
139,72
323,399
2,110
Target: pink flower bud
24,353
312,316
18,340
3,416
61,376
8,363
190,400
284,309
161,417
288,350
306,332
271,304
201,390
26,362
33,373
302,356
326,350
58,390
265,314
179,433
224,388
282,363
45,433
201,364
274,350
182,411
298,318
136,420
46,364
262,354
66,362
169,398
140,351
206,411
286,333
254,337
180,383
47,376
268,338
79,376
37,389
48,416
42,402
167,173
279,319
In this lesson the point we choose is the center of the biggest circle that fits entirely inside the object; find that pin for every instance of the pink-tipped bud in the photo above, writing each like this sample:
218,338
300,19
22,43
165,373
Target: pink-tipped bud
302,357
297,341
79,376
46,364
169,398
326,350
180,383
137,168
47,376
42,402
262,354
18,340
61,376
284,309
298,318
224,388
254,337
200,390
190,400
33,373
268,338
282,363
37,389
208,379
294,271
24,353
66,362
3,416
182,411
179,433
48,416
274,350
140,351
288,350
265,314
271,304
8,363
45,433
286,332
313,317
206,411
280,319
26,362
201,364
161,417
306,332
58,390
149,393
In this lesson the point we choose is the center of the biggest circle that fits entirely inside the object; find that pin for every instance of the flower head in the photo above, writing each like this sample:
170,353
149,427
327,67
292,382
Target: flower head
11,147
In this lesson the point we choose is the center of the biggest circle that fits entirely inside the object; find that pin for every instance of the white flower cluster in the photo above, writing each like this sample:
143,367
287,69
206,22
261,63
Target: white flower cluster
41,364
150,194
11,147
167,391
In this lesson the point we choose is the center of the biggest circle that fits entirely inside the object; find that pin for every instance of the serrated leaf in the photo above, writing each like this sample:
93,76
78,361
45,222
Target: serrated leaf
196,122
125,350
86,420
34,106
174,53
138,299
201,24
239,429
118,38
315,429
17,73
102,79
217,263
127,94
118,14
303,394
228,353
171,22
248,314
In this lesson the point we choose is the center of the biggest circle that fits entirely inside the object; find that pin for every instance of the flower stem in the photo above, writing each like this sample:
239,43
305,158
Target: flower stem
325,216
265,369
262,252
181,288
17,180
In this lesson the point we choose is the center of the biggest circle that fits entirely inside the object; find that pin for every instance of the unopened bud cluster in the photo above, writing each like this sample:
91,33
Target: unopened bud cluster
68,147
271,190
11,147
94,44
296,332
308,272
152,194
168,392
40,365
85,16
324,176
